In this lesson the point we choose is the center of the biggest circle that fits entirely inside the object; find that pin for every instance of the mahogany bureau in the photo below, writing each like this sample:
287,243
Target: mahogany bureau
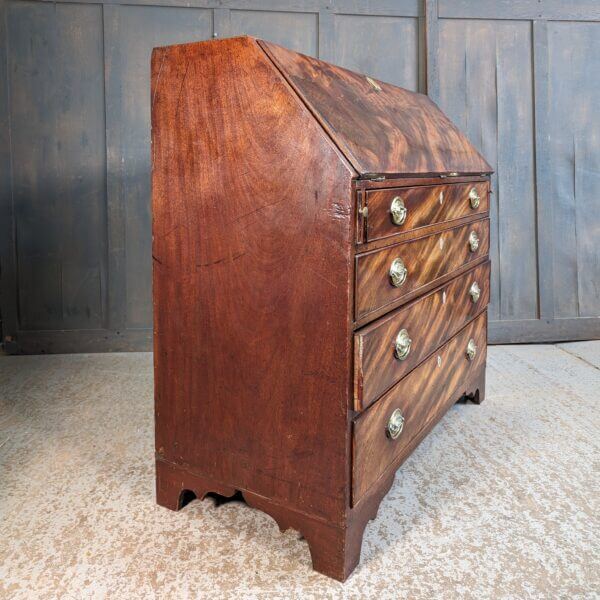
321,276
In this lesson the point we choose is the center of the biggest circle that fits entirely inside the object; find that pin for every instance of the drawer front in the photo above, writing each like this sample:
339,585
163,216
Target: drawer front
425,260
395,211
422,397
390,348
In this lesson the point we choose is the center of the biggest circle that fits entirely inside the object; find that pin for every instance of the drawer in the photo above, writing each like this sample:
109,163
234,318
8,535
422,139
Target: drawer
396,210
422,397
392,346
387,276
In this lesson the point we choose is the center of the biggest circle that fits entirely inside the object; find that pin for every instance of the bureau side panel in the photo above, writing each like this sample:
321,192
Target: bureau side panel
252,274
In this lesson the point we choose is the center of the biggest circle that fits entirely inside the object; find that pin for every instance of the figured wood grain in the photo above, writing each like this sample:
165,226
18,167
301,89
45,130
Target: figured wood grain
413,234
380,128
253,231
255,219
425,205
430,321
427,259
364,186
423,397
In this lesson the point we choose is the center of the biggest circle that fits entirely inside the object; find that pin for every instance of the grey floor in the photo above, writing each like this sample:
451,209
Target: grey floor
500,501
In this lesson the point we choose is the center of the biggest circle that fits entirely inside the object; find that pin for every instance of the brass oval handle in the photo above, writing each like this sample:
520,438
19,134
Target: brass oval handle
398,272
402,345
473,241
395,424
474,198
398,211
475,291
471,349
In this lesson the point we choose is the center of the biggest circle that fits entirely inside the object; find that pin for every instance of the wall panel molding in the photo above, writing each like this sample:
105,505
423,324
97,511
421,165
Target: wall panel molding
545,219
528,10
530,331
8,263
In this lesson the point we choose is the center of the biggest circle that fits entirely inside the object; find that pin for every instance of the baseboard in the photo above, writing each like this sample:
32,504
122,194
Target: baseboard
533,331
529,331
72,341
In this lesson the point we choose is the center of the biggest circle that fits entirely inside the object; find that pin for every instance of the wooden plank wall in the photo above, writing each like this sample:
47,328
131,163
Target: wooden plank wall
519,76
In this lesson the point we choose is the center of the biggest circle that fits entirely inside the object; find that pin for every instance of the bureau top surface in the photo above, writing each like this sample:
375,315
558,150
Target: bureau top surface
379,128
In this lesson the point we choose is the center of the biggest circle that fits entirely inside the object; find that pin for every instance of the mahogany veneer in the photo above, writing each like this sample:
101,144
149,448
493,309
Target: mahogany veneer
278,369
422,397
425,205
431,319
435,256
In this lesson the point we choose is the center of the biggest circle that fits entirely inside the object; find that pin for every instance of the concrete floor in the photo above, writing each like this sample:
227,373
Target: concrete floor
500,501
